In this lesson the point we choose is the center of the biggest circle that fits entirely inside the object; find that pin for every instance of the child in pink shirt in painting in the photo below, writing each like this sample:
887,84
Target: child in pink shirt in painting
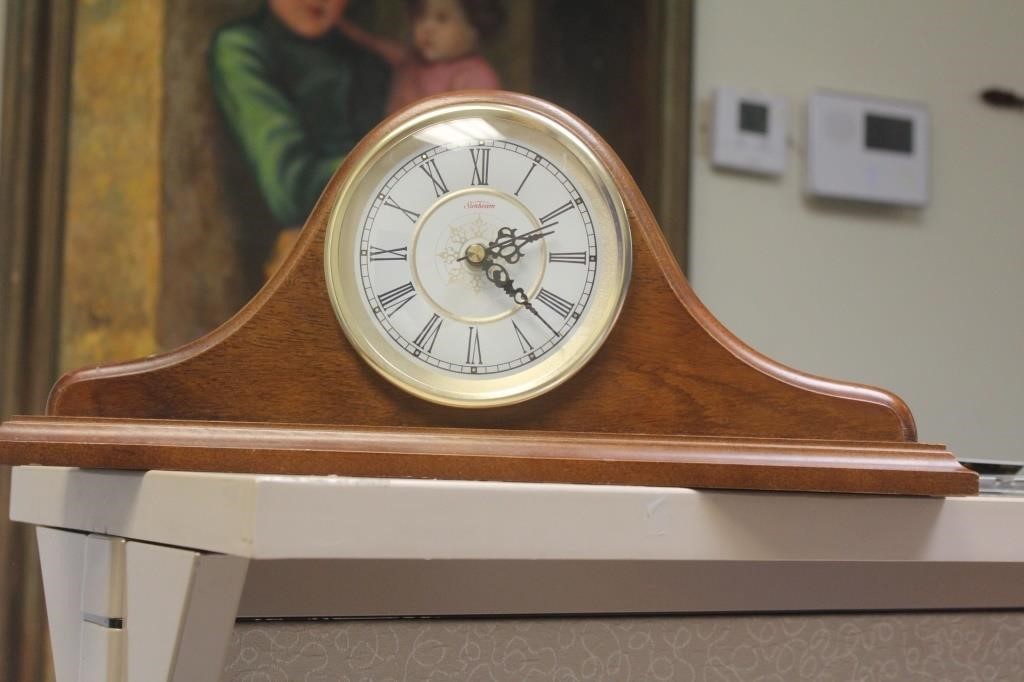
444,55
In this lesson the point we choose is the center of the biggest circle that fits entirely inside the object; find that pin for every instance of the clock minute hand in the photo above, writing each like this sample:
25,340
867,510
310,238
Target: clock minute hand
507,238
499,276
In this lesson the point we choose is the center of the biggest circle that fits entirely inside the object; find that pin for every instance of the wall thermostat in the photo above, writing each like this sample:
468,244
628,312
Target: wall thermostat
749,132
867,149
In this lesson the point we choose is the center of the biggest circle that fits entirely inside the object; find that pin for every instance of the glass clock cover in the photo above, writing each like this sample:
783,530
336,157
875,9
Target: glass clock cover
478,255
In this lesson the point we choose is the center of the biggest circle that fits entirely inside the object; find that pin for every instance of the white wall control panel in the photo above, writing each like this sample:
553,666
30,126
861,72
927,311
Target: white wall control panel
748,132
867,149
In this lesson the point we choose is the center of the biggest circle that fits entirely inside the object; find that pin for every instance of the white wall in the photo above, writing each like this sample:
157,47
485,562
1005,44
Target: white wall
928,303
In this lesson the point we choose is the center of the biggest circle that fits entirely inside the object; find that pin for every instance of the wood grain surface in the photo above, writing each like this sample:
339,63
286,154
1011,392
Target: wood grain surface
669,368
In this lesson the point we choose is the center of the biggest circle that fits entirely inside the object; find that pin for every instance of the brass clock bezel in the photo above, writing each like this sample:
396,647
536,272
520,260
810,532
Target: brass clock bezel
611,228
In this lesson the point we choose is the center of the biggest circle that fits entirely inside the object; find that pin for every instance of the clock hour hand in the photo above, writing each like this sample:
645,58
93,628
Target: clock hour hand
499,276
507,245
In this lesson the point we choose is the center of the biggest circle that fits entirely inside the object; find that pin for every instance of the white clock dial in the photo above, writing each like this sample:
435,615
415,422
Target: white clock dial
420,281
479,259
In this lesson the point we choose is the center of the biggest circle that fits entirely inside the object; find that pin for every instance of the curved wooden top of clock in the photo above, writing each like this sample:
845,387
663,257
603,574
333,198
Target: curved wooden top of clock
668,367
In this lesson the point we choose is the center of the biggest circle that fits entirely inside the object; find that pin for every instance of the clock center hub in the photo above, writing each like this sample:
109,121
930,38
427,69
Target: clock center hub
475,253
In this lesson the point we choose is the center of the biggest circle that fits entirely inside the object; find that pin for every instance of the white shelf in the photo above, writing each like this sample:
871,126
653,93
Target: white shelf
350,546
334,517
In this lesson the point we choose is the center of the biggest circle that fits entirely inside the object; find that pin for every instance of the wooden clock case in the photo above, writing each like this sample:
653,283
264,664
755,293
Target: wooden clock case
671,399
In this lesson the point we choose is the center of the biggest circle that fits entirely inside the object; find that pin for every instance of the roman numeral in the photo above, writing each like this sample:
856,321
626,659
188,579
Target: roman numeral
434,173
524,342
481,165
473,356
576,257
411,215
555,302
392,301
524,179
428,335
546,221
401,253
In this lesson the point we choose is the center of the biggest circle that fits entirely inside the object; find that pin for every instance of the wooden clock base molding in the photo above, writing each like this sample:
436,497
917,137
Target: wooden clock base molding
482,454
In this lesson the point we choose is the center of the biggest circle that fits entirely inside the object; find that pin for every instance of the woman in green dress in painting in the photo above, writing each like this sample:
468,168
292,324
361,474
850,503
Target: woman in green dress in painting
297,95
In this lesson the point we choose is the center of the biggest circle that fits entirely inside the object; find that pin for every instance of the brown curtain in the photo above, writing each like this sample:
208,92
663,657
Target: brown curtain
33,126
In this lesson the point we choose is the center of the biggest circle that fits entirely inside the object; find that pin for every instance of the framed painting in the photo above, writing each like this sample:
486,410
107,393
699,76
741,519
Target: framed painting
189,171
158,156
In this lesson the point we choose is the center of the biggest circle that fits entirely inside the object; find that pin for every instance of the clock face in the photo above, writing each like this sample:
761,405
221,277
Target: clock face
478,255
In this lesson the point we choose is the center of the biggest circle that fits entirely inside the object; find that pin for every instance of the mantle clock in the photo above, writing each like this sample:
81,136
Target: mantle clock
482,293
